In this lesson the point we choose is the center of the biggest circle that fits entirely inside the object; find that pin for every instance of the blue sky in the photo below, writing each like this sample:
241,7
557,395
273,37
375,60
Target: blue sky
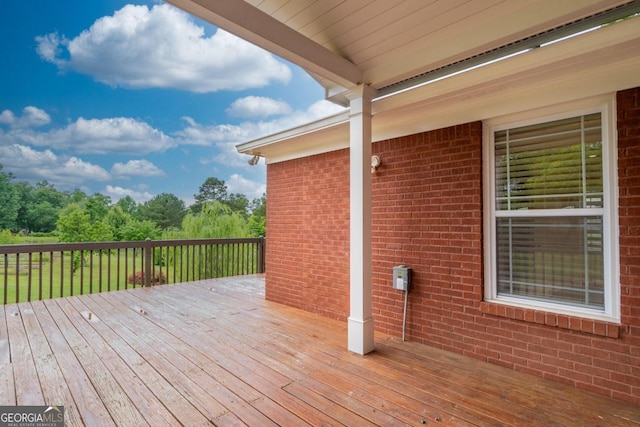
138,99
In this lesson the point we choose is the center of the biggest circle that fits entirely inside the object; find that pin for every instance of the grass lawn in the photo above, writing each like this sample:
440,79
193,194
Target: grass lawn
29,239
51,276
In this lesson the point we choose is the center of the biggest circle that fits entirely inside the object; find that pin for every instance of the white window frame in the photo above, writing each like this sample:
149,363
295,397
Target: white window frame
607,108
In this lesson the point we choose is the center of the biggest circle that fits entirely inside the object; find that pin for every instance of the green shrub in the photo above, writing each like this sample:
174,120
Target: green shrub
7,238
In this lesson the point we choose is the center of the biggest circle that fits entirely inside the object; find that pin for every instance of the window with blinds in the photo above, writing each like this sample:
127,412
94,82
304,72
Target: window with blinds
549,208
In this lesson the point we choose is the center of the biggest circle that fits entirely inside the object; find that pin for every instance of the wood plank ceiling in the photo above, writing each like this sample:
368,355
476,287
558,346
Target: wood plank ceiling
394,40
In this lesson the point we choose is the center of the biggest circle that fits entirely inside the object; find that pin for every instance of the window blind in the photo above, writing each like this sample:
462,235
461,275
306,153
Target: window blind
550,254
553,165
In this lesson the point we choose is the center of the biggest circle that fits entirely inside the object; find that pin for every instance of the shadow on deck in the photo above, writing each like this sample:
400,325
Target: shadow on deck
215,352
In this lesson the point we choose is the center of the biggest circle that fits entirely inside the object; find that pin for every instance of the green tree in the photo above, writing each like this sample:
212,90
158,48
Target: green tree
41,217
41,207
117,219
212,189
9,202
97,206
165,209
258,217
74,225
25,195
259,206
238,202
140,230
128,205
216,220
46,192
78,196
100,231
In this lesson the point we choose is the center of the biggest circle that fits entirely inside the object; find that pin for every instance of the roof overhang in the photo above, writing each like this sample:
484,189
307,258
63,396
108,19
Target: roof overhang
255,26
389,45
591,64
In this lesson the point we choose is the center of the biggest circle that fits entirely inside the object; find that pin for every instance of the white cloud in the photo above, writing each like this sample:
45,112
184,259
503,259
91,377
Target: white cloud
49,48
198,134
31,117
258,106
162,47
136,168
20,156
96,136
34,117
64,172
238,184
116,193
7,117
226,137
321,109
75,167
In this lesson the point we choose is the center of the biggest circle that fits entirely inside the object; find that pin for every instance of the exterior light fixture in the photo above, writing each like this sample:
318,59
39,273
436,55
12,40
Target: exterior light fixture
375,162
254,160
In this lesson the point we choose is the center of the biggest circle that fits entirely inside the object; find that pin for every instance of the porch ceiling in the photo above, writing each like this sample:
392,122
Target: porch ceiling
381,43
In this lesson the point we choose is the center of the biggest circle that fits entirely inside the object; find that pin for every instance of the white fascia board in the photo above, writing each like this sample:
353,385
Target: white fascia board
327,134
250,23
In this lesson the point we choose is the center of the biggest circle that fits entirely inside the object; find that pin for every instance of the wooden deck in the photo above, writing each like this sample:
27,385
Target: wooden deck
215,352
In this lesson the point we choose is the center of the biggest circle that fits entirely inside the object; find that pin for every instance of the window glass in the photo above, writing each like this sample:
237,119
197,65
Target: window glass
543,251
551,259
554,165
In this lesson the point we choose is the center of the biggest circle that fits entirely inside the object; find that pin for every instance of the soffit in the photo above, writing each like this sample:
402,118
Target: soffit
595,64
387,40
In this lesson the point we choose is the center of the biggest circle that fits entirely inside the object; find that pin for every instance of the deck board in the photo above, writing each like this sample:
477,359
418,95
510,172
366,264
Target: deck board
215,352
175,353
148,406
54,387
85,398
25,375
186,387
145,380
7,386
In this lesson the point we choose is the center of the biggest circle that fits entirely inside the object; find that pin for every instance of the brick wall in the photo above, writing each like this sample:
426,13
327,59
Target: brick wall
626,368
308,234
427,214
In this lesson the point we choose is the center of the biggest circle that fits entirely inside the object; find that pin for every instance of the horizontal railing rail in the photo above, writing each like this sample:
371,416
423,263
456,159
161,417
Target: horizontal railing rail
43,271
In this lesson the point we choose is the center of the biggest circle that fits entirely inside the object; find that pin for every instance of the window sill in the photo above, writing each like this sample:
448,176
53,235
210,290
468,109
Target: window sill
562,321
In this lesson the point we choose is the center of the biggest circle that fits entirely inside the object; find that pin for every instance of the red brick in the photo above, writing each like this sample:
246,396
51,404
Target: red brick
613,331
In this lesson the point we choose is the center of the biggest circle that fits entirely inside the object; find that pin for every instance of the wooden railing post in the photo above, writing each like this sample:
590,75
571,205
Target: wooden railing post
148,256
261,255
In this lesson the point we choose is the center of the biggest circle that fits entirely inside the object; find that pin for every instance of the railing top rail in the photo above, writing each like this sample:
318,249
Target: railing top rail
195,242
48,247
86,246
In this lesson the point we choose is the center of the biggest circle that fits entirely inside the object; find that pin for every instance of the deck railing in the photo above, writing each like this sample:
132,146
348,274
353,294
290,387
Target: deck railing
42,271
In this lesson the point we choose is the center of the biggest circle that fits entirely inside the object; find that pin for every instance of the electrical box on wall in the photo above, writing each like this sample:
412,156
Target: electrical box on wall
401,278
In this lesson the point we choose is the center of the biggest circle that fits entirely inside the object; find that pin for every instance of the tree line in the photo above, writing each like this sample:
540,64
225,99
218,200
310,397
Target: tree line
78,217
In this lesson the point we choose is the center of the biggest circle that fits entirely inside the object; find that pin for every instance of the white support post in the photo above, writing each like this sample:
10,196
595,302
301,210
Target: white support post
360,322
